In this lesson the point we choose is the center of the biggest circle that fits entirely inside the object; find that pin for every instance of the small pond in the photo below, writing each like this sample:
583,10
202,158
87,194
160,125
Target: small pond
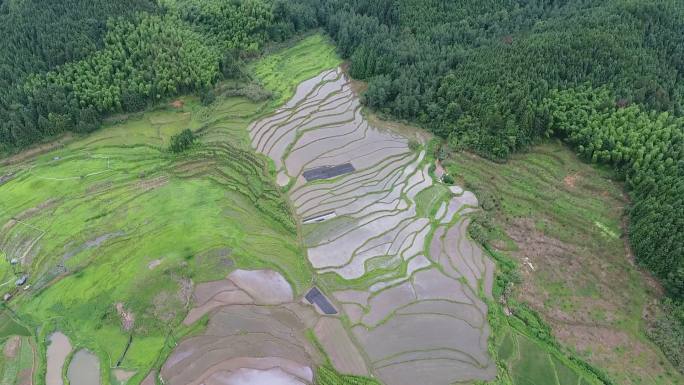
84,369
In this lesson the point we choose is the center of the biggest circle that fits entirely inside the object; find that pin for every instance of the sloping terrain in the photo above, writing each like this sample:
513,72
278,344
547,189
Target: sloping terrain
415,312
113,232
333,257
563,221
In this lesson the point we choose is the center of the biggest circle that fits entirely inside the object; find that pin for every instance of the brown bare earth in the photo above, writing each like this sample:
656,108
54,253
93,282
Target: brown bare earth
589,314
37,150
28,213
571,180
12,347
123,375
24,377
127,317
151,184
564,222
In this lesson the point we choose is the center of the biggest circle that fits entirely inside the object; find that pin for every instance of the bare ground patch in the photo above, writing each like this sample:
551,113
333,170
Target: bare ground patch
585,300
127,317
154,183
12,346
29,213
571,180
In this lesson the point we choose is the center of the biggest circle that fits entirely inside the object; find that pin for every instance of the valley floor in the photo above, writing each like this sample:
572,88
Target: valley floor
145,266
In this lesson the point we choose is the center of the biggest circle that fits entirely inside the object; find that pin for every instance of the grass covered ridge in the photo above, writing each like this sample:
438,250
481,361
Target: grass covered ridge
114,218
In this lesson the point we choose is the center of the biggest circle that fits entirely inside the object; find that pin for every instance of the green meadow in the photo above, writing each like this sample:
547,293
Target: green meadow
114,217
277,70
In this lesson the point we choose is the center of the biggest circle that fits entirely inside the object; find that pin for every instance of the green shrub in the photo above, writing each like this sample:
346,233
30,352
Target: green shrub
414,145
181,142
207,96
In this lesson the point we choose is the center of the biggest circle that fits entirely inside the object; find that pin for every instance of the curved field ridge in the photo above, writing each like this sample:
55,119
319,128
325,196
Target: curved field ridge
255,335
417,317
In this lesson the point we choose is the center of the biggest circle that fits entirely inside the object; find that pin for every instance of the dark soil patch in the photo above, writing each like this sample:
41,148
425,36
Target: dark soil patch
12,346
5,178
154,183
99,187
29,213
93,243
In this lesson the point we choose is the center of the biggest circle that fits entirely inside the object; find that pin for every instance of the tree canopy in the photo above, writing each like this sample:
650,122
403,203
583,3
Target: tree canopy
66,64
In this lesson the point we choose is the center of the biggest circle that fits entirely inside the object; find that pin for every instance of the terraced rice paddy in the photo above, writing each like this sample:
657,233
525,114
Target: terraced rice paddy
58,350
137,232
531,364
84,369
414,312
256,335
114,233
144,266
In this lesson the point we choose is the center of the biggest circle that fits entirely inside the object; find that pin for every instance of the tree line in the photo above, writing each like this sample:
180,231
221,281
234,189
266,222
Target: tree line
475,70
647,148
66,64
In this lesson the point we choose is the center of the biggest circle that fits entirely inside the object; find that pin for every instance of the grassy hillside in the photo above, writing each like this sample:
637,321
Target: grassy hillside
561,221
277,70
114,218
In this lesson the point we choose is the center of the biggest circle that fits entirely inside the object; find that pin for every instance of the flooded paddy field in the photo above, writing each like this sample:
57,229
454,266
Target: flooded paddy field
415,314
256,334
57,352
84,369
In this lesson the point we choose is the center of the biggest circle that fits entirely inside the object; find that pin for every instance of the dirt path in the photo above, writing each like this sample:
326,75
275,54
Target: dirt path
36,151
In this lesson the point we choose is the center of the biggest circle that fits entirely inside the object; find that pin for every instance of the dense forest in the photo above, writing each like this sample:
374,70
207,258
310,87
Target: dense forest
495,76
66,64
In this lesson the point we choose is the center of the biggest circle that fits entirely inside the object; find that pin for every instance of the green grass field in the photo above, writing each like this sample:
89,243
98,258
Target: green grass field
560,219
277,71
429,200
326,375
114,218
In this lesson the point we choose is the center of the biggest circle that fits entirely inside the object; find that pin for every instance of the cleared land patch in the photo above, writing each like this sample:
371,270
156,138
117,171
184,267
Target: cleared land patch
559,217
